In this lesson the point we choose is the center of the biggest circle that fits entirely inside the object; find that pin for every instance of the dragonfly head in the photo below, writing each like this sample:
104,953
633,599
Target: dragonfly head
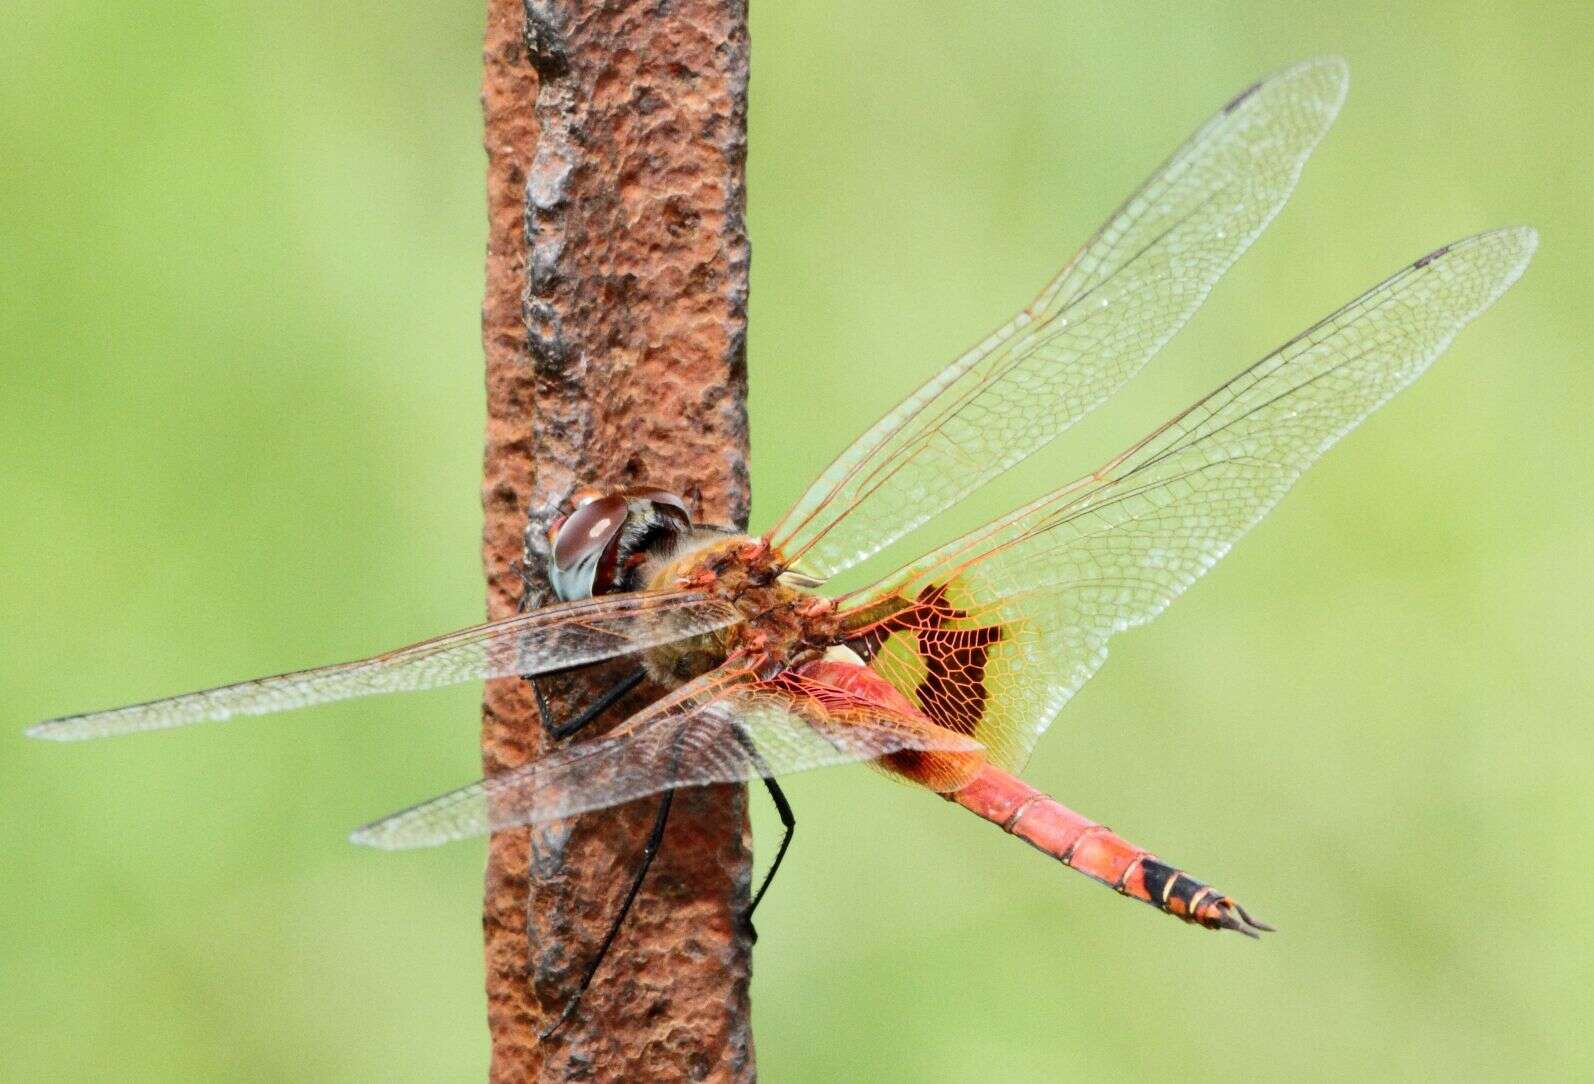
598,548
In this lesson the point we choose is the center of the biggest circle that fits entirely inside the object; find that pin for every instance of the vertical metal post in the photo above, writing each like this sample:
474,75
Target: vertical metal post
614,328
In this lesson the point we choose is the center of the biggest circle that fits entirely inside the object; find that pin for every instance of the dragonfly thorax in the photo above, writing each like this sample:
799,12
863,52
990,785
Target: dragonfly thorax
782,624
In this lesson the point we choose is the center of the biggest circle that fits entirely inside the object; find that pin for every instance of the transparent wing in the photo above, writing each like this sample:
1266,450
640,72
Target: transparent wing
553,638
724,727
994,633
1092,328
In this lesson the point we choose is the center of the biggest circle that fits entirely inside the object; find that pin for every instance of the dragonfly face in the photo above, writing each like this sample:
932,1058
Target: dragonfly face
602,544
642,539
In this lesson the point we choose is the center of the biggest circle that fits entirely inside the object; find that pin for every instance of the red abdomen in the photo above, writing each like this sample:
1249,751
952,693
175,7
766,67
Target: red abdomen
1096,851
1041,821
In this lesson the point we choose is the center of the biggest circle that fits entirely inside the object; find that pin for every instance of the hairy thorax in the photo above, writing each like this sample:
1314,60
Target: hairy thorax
782,625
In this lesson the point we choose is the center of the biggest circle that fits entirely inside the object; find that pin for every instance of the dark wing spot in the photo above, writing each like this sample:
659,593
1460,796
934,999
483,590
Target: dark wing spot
1239,99
952,692
1431,257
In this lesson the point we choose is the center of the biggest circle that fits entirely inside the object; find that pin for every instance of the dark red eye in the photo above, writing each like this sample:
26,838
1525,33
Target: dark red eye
584,548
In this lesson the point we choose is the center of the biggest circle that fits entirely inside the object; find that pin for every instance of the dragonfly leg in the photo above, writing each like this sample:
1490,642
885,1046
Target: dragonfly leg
655,838
560,730
788,821
569,726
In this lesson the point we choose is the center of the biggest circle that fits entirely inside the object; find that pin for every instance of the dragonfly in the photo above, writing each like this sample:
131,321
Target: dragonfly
945,672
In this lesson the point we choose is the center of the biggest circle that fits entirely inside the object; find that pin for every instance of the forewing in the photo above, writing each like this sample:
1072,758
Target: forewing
724,727
553,638
1092,328
994,633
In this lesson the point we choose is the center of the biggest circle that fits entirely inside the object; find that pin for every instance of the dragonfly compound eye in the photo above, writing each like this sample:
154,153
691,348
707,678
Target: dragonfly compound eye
586,548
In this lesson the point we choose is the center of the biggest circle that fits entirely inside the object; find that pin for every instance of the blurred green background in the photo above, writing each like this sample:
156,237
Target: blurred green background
241,406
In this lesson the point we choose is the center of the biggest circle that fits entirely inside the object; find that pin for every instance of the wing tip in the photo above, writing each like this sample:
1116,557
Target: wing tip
1332,63
1328,65
1333,69
1526,237
398,833
56,730
1525,240
378,836
1523,236
1517,244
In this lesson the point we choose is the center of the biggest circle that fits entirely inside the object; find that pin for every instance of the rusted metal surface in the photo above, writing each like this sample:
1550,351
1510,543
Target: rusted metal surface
614,325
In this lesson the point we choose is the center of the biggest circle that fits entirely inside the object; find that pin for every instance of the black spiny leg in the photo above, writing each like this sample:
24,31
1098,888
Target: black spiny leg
557,731
648,853
569,726
788,821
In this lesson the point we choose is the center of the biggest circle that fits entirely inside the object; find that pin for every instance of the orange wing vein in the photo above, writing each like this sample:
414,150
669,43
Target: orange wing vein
991,635
724,727
1104,316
